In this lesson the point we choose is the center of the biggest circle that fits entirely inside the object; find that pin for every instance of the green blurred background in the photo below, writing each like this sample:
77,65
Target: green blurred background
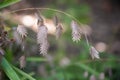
65,60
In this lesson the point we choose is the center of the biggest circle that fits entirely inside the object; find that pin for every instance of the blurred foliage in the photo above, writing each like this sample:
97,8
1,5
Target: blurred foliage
5,3
77,54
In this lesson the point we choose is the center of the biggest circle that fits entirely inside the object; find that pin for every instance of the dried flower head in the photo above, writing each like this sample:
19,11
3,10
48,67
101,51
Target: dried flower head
22,61
59,29
76,31
94,53
22,31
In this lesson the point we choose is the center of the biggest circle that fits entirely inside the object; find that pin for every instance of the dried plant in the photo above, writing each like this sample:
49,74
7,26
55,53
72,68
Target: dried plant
76,31
42,34
94,53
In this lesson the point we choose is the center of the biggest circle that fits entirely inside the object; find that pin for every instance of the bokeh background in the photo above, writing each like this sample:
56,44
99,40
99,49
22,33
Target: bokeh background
66,60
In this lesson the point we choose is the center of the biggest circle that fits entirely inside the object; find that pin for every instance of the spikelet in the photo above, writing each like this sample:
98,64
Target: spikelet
42,34
22,31
42,39
94,53
76,31
59,29
44,47
22,61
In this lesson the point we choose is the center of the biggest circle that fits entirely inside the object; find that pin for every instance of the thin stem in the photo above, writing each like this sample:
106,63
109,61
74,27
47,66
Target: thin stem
55,10
86,39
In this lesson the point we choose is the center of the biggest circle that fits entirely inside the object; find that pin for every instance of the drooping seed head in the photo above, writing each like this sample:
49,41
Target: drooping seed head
76,31
42,34
94,53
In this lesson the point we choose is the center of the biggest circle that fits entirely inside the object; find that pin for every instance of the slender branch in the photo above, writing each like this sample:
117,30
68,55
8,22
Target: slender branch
50,9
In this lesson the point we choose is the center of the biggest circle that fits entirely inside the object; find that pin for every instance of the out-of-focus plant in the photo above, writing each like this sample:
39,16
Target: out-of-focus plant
58,65
42,33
